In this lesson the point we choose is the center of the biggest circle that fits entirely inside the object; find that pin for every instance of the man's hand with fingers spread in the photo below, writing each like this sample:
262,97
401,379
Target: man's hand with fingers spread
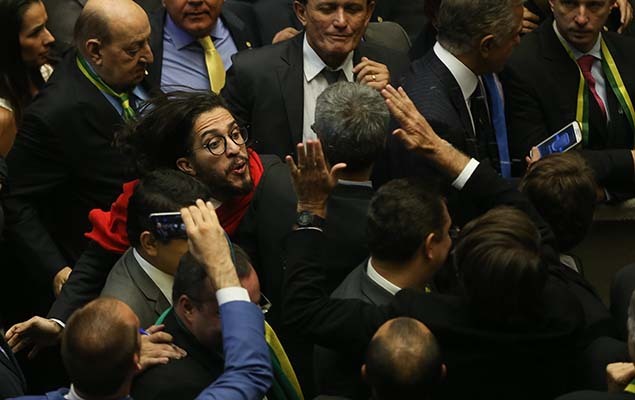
208,244
157,348
312,180
35,334
418,136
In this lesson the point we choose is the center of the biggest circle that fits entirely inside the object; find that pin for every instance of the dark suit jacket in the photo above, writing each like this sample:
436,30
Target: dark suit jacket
265,90
541,88
538,350
12,382
595,395
236,16
85,283
271,215
128,282
63,165
336,373
184,378
438,97
262,231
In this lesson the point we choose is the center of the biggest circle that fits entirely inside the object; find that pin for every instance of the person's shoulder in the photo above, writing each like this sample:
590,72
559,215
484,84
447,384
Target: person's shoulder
622,43
260,58
595,395
180,378
351,285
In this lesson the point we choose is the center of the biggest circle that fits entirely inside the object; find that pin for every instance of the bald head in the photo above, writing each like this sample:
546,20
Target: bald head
113,36
99,18
403,360
100,347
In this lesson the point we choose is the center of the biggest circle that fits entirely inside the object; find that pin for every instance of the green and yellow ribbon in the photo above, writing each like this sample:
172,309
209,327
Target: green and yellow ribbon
616,83
631,387
129,113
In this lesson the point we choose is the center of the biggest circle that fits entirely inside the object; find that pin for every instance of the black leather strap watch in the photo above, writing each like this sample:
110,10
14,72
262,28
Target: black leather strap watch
307,219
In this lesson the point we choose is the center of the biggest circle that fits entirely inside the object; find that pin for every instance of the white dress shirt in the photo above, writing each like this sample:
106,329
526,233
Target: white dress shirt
467,80
384,283
596,68
315,83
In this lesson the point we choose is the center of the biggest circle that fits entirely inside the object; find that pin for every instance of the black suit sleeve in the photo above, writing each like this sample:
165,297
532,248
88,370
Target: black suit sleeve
85,282
611,167
346,325
525,126
38,168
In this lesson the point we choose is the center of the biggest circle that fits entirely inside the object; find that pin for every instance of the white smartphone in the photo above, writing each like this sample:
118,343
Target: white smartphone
563,140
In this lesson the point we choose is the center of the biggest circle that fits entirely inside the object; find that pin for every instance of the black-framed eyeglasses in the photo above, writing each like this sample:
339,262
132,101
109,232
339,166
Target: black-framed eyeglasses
218,143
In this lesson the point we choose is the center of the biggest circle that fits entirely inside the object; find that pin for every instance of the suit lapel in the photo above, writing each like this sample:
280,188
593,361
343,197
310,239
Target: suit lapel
568,75
157,21
456,95
236,28
291,79
88,93
145,284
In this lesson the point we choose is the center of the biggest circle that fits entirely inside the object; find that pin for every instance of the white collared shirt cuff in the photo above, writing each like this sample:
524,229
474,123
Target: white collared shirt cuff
59,322
465,175
234,293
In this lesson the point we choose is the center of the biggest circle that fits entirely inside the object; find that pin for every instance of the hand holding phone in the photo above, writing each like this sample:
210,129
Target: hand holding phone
168,225
563,140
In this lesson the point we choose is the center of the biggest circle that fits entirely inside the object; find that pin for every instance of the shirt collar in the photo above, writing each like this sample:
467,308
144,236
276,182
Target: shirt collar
380,280
313,64
596,50
180,37
355,183
464,76
164,281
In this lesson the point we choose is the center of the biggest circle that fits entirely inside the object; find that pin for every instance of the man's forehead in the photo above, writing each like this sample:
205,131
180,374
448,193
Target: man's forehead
217,118
337,2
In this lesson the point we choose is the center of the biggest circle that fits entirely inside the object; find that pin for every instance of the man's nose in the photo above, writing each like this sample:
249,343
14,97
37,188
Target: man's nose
582,15
340,19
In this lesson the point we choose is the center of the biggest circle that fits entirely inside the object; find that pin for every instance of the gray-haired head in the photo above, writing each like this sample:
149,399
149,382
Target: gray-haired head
351,120
462,23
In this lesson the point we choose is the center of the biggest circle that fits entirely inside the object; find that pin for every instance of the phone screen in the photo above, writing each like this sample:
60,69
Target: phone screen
168,225
558,143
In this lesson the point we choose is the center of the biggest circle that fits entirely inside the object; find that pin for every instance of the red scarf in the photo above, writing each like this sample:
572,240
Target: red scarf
109,227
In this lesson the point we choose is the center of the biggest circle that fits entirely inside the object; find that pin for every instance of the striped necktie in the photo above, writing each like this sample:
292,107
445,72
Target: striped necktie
214,64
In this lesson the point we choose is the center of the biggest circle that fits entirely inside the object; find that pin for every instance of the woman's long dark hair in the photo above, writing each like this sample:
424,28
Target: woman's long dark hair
15,76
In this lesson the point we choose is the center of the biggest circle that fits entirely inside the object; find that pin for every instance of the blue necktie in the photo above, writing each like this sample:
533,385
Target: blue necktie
498,122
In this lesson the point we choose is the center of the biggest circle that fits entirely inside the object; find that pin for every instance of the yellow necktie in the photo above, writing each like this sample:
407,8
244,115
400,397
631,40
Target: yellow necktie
214,63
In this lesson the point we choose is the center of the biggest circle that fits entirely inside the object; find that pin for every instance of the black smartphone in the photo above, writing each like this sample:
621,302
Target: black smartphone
168,225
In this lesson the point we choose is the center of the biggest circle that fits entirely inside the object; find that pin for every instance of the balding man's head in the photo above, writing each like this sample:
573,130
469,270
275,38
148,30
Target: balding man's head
403,361
112,35
100,347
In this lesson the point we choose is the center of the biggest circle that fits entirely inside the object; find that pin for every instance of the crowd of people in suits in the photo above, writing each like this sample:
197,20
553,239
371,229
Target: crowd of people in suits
324,199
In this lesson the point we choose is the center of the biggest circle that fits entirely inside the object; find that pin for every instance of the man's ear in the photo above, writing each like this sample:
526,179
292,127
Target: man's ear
187,306
148,243
300,11
93,51
371,9
431,240
184,165
364,375
486,44
444,371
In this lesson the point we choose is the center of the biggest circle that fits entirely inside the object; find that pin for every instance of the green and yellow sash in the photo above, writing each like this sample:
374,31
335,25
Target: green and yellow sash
616,83
129,113
631,387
